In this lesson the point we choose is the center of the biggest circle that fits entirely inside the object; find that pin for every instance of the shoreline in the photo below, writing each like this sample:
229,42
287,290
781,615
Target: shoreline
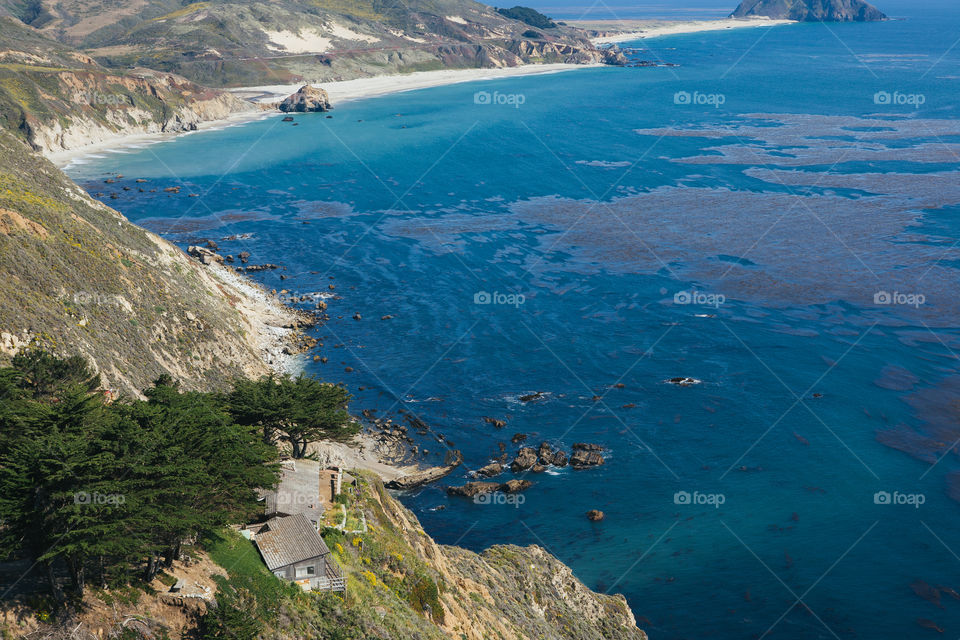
340,91
362,88
614,31
64,158
269,319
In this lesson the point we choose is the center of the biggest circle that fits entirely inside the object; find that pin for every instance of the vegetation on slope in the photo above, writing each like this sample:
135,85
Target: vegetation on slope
530,16
77,277
401,585
114,488
116,493
244,42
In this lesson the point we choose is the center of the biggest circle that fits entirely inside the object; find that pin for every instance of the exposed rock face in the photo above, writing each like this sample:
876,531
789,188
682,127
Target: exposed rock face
205,255
810,10
490,470
586,446
522,593
307,100
585,456
478,487
426,476
547,456
472,489
515,485
595,515
57,98
526,458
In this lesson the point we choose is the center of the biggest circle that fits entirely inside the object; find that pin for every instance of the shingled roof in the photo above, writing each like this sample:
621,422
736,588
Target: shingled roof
284,541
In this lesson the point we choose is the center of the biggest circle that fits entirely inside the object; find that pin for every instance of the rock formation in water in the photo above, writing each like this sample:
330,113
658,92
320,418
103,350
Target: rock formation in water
810,10
307,100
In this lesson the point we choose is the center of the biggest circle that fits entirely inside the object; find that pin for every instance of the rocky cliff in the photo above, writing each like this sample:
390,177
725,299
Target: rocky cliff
57,98
401,585
77,277
810,10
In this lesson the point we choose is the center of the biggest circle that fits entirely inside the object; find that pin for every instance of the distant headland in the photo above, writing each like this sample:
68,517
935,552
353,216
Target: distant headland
810,10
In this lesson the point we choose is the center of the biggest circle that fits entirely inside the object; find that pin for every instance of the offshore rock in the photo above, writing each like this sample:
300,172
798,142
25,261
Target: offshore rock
307,100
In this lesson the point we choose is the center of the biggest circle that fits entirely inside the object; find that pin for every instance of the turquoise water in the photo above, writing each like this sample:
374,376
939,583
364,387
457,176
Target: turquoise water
787,207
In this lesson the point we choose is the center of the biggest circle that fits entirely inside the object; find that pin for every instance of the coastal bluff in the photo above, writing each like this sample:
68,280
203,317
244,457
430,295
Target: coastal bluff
810,10
76,277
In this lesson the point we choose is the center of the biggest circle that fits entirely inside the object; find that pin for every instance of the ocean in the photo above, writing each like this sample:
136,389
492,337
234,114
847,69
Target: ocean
777,217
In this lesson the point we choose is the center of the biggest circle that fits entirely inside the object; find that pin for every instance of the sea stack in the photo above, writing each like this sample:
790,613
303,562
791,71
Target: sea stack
307,100
810,10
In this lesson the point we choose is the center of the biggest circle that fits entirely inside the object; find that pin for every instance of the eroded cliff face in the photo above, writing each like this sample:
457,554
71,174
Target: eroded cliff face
508,591
59,99
95,107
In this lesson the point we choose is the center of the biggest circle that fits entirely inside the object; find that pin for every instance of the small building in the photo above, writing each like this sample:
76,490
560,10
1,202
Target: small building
293,550
332,480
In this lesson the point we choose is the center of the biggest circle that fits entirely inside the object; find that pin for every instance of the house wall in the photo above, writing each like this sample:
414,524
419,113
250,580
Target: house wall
289,572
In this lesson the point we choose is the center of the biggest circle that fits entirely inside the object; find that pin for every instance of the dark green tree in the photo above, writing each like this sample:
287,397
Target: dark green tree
43,374
297,410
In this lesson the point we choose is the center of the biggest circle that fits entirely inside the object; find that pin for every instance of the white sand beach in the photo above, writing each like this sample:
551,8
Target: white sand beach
344,90
608,31
340,92
611,31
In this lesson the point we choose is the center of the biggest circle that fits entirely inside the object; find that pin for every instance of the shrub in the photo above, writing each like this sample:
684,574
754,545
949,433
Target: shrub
530,16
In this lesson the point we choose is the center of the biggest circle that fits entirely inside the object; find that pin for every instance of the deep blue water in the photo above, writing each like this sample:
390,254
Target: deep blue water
815,395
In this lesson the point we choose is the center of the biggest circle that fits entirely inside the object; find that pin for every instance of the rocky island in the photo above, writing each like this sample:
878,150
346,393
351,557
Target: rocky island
810,10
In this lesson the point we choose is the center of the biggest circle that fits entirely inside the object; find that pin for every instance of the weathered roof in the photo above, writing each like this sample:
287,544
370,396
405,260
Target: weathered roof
284,541
297,492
